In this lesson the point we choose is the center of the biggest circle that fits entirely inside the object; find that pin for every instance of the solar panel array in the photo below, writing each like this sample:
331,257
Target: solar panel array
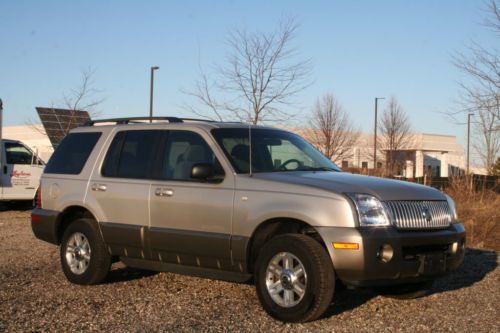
58,122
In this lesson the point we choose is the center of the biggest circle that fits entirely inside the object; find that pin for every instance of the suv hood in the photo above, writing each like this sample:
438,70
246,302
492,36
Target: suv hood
343,182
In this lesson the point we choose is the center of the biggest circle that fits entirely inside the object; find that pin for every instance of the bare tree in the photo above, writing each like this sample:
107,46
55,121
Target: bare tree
84,97
486,140
259,80
394,128
331,130
480,92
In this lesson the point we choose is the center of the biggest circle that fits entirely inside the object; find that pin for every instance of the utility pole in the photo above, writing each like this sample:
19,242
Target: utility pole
375,133
151,92
468,140
1,118
1,127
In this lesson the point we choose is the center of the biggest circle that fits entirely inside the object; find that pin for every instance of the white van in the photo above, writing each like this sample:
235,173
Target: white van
20,171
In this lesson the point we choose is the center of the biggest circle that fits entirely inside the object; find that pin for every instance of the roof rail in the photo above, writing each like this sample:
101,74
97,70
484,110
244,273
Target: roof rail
124,121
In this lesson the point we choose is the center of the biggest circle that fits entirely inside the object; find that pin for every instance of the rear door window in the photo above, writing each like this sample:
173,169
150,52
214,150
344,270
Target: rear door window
72,153
132,154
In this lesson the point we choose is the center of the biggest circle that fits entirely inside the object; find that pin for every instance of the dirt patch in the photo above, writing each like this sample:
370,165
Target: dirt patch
35,296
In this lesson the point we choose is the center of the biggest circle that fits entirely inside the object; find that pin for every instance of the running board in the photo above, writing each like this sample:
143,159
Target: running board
186,270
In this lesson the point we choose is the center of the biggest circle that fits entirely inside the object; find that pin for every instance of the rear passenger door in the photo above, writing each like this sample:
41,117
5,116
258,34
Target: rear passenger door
191,219
121,190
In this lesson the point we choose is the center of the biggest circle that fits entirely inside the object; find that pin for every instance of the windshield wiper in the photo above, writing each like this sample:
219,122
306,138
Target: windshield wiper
317,169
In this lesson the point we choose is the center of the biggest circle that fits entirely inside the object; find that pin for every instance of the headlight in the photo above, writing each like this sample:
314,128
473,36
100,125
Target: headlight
371,212
453,209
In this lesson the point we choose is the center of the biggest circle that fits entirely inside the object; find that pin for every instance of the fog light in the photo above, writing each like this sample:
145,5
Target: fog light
454,248
385,253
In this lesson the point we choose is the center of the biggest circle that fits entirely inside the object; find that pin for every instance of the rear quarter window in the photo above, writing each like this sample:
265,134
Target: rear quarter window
72,153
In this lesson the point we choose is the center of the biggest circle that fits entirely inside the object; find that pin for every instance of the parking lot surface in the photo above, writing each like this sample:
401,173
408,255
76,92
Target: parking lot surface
35,296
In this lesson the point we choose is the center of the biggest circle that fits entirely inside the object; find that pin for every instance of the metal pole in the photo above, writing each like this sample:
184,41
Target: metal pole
375,134
375,137
468,141
1,119
1,127
151,93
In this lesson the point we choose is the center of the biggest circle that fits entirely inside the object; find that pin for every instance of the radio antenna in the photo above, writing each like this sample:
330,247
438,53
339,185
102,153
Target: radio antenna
250,174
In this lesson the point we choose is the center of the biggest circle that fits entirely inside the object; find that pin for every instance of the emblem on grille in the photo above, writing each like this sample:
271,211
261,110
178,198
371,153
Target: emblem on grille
426,214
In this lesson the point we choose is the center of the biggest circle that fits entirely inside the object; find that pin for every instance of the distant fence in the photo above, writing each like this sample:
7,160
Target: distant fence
479,181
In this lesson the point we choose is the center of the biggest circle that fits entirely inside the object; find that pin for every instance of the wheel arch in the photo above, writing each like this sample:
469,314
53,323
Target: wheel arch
273,227
68,215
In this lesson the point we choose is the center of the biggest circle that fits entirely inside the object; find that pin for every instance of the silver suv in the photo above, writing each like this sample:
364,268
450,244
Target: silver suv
235,202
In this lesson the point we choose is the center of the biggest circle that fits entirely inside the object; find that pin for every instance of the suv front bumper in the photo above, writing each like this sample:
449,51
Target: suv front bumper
414,255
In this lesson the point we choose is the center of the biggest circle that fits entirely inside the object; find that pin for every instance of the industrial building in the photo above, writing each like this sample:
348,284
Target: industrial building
433,155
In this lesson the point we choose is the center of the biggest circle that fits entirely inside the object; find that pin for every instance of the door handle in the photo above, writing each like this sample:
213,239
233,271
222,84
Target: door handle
164,192
5,169
99,187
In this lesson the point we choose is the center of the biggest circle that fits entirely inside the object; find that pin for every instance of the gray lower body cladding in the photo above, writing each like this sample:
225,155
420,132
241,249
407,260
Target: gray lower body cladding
172,246
44,223
416,255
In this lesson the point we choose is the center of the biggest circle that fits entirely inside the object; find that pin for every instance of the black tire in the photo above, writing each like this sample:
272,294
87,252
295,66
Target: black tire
320,284
99,263
407,291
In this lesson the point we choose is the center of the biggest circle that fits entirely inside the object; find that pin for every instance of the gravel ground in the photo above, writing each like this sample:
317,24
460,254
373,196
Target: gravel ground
35,296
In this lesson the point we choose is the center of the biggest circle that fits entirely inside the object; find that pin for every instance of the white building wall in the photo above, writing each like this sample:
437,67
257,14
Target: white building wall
433,150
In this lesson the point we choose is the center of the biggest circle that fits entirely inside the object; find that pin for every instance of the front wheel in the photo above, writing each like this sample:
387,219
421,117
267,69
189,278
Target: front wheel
84,257
295,280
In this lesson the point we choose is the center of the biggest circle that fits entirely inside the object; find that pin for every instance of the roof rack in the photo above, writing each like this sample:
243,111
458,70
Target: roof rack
124,121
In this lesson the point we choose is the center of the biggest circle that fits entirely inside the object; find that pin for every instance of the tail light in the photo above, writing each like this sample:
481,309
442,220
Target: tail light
38,198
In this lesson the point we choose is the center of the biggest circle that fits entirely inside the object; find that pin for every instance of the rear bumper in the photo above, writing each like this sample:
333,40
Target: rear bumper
44,224
416,255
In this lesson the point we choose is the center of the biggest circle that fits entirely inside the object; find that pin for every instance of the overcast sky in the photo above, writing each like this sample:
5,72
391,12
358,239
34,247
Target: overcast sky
358,49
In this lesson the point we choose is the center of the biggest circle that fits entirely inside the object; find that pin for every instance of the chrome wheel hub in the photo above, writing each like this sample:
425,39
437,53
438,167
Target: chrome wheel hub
77,253
286,279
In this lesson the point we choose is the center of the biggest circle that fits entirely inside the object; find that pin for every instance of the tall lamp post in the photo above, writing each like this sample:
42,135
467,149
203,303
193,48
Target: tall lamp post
151,92
1,118
1,123
375,133
468,140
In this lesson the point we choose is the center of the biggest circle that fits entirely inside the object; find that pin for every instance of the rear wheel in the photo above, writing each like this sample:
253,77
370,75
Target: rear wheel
407,291
295,280
84,257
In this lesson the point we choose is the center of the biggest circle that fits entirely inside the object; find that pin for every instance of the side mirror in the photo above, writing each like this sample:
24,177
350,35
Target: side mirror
202,171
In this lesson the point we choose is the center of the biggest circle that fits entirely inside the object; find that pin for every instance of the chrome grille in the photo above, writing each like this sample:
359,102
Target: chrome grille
419,214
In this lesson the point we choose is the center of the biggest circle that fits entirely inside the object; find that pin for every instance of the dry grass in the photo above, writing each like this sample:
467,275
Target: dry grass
479,211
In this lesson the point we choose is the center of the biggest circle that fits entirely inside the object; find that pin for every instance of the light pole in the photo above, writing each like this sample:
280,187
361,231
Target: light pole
151,92
1,124
1,118
375,134
468,140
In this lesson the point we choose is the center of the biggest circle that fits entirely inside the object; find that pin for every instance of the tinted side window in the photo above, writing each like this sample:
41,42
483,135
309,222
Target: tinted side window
72,153
132,154
184,149
17,154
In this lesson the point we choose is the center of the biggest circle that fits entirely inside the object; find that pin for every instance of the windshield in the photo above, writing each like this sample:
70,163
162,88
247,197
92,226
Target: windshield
272,151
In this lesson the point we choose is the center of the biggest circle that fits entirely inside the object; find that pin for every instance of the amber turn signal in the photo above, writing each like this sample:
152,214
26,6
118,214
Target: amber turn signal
345,246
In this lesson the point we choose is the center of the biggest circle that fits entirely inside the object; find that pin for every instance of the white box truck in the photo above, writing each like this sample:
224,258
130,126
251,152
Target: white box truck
20,169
